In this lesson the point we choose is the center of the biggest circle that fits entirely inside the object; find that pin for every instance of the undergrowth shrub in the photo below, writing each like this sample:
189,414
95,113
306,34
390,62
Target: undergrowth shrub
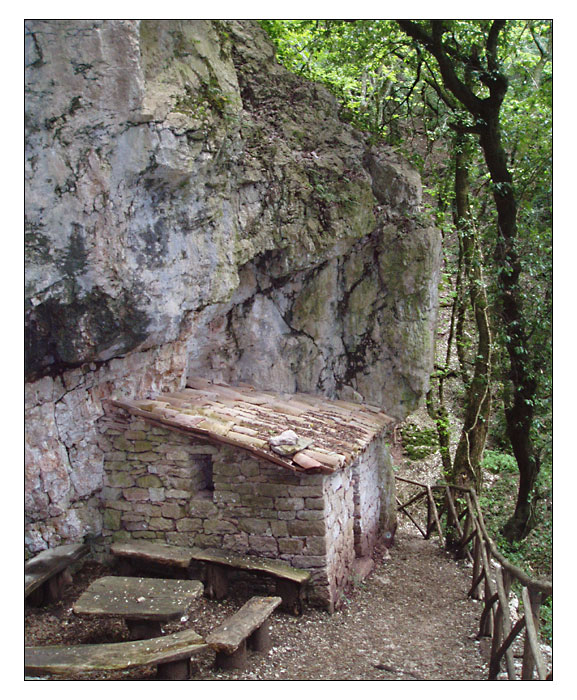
419,443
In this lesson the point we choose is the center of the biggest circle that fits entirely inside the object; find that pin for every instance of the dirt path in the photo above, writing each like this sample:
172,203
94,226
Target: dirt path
410,619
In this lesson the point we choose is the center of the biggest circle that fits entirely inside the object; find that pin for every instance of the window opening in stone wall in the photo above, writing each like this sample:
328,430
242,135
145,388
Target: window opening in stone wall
205,477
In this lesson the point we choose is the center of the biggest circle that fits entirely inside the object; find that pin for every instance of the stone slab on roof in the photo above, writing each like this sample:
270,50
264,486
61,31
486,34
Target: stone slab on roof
331,433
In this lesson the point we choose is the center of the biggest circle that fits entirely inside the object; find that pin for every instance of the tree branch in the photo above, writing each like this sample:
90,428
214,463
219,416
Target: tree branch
434,43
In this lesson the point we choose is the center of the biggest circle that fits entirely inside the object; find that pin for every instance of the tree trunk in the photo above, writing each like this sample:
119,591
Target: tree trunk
519,413
469,454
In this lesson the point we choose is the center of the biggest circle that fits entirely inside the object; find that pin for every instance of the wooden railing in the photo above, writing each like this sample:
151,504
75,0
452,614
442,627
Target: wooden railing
492,574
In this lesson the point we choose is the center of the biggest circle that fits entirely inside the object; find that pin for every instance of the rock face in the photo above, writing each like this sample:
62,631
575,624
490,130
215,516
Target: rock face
193,207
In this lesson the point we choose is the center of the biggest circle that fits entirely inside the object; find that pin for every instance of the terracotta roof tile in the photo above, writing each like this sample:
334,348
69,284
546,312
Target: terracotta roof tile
334,432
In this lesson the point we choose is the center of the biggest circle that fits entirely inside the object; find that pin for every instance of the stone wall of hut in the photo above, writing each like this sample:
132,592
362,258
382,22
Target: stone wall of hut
368,487
165,485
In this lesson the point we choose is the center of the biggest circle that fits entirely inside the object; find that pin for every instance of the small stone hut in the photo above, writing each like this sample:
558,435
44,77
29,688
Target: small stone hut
298,478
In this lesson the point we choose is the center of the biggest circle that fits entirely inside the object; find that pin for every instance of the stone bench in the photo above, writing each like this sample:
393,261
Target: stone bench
247,628
155,556
171,654
46,574
290,582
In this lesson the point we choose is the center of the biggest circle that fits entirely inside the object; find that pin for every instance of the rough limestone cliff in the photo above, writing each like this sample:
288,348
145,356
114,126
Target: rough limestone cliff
193,208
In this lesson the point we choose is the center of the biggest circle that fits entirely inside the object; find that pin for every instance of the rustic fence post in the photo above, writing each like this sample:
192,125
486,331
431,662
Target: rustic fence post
475,592
429,516
531,652
435,513
502,627
452,520
477,542
486,627
467,534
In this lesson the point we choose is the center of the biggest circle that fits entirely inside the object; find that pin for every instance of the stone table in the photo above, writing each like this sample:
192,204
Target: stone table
144,603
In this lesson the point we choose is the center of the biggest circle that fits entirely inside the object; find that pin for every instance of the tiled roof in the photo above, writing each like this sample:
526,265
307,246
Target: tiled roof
329,434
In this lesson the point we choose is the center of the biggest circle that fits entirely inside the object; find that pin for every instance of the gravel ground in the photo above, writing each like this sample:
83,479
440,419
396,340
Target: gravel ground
409,620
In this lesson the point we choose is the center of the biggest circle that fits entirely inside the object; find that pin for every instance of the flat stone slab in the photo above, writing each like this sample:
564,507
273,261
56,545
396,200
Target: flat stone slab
229,636
112,657
49,563
156,552
138,598
251,563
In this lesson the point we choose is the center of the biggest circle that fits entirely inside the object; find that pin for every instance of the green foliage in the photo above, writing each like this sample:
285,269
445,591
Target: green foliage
499,462
356,60
535,551
547,622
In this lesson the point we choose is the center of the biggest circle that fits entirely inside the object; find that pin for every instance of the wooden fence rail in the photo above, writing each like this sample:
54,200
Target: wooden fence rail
492,575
